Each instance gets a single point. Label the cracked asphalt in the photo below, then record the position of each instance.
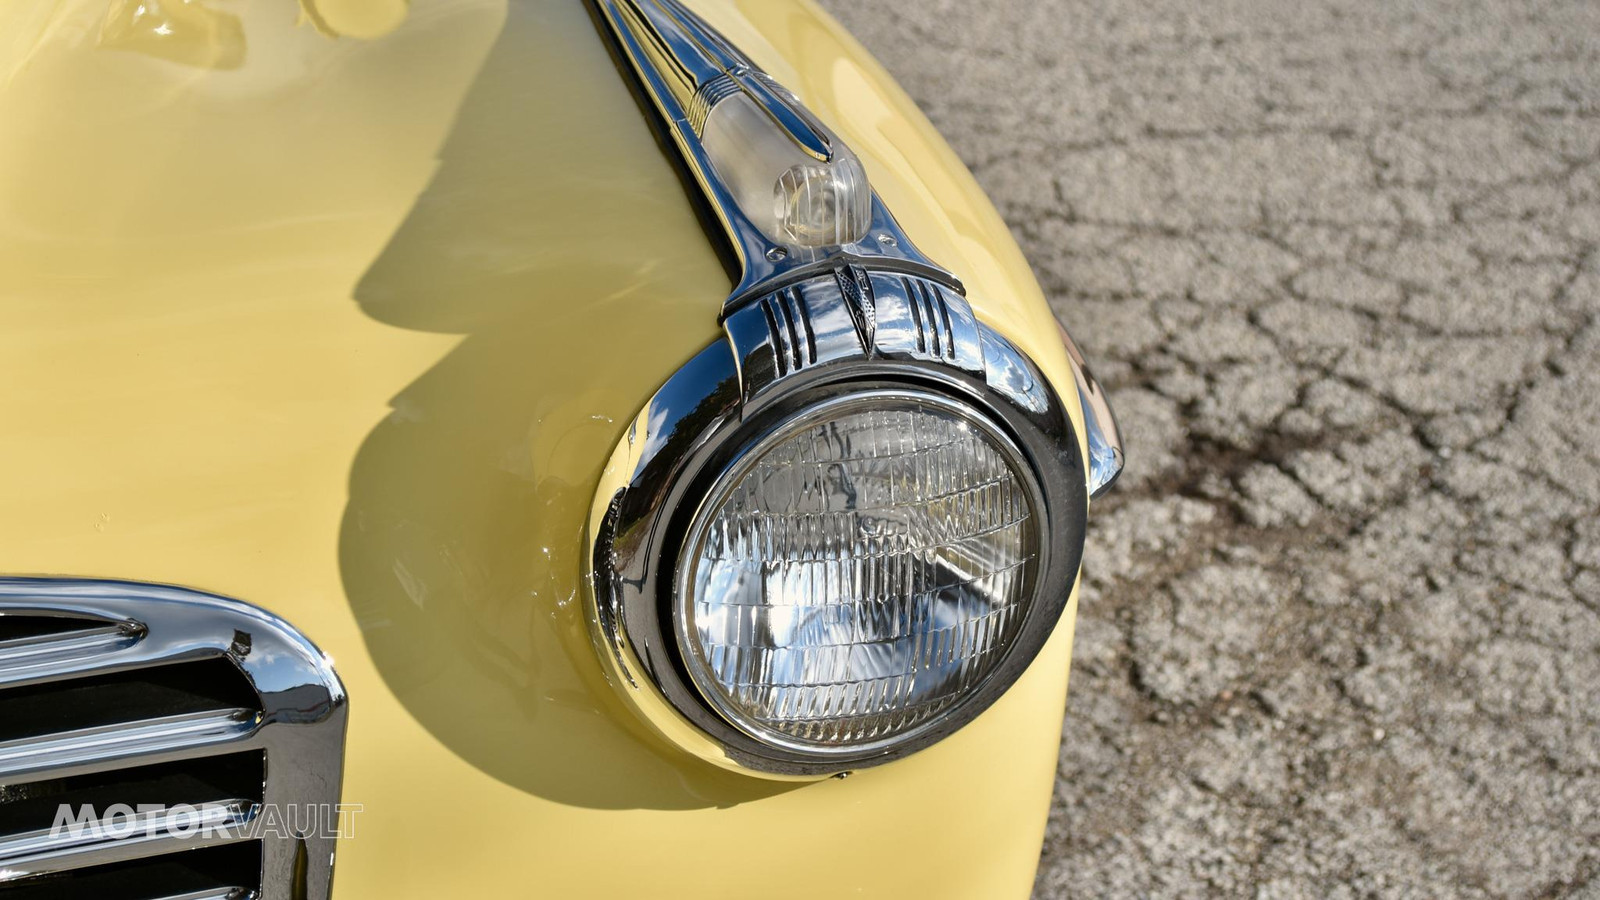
(1340, 624)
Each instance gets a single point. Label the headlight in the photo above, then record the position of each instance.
(845, 529)
(812, 570)
(858, 571)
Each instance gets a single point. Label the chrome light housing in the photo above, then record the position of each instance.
(842, 531)
(821, 546)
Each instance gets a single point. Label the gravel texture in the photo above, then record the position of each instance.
(1337, 262)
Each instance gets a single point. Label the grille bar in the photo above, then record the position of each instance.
(134, 743)
(27, 658)
(227, 893)
(93, 638)
(48, 850)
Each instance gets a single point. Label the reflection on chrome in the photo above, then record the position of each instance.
(1101, 433)
(789, 193)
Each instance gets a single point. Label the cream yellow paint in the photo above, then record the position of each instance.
(347, 328)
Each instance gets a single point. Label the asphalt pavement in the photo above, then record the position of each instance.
(1337, 263)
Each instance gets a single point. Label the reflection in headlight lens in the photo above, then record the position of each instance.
(859, 572)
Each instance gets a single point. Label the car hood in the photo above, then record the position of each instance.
(347, 328)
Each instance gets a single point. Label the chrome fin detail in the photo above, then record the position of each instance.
(1099, 423)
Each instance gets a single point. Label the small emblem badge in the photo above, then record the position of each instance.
(856, 287)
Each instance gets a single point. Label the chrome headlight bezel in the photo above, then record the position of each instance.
(725, 400)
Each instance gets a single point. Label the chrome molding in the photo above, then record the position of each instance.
(1103, 436)
(684, 67)
(109, 627)
(67, 752)
(228, 893)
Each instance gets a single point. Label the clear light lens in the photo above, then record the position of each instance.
(795, 199)
(859, 573)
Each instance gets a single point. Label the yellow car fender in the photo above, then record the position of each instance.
(339, 308)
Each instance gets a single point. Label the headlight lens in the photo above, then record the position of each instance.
(859, 571)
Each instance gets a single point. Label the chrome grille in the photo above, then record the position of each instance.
(114, 694)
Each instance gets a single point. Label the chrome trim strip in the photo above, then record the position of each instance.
(94, 638)
(169, 619)
(118, 746)
(148, 834)
(701, 65)
(300, 725)
(53, 652)
(226, 893)
(684, 66)
(1099, 423)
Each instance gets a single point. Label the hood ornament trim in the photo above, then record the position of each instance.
(685, 68)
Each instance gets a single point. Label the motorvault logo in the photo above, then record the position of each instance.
(231, 821)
